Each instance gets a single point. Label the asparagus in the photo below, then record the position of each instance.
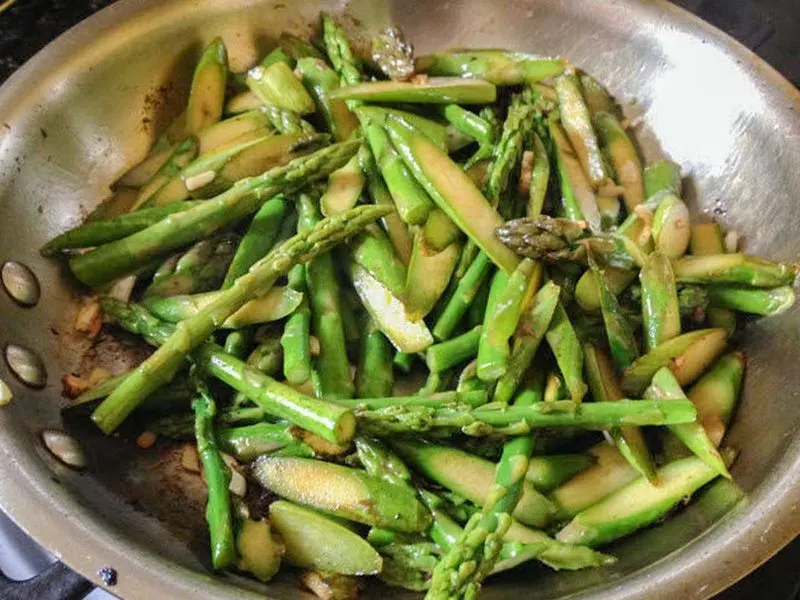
(324, 291)
(540, 178)
(707, 239)
(200, 269)
(395, 227)
(534, 323)
(508, 150)
(276, 84)
(755, 301)
(375, 377)
(578, 125)
(259, 239)
(496, 66)
(693, 435)
(596, 97)
(96, 233)
(251, 441)
(321, 80)
(338, 49)
(429, 272)
(587, 291)
(109, 261)
(520, 420)
(379, 461)
(621, 341)
(623, 157)
(452, 191)
(436, 90)
(208, 88)
(662, 319)
(297, 49)
(182, 426)
(548, 472)
(504, 310)
(167, 175)
(250, 125)
(715, 394)
(373, 251)
(238, 342)
(284, 120)
(736, 269)
(687, 356)
(462, 297)
(435, 131)
(662, 175)
(566, 347)
(605, 387)
(217, 476)
(190, 333)
(468, 123)
(444, 355)
(671, 227)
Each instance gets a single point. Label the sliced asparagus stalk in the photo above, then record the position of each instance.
(207, 95)
(436, 90)
(276, 84)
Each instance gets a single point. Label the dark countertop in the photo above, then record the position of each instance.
(768, 27)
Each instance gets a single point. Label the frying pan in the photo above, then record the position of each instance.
(89, 106)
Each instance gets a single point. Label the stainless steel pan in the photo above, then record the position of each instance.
(90, 104)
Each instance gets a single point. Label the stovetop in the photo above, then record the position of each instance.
(768, 27)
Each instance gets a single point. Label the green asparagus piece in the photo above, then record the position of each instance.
(242, 102)
(578, 125)
(587, 291)
(662, 175)
(623, 157)
(508, 151)
(472, 399)
(665, 387)
(297, 48)
(403, 361)
(755, 301)
(395, 227)
(566, 348)
(389, 313)
(182, 426)
(715, 394)
(621, 341)
(338, 49)
(671, 228)
(373, 250)
(331, 365)
(477, 310)
(605, 387)
(343, 491)
(596, 97)
(429, 272)
(251, 441)
(577, 196)
(316, 541)
(413, 203)
(259, 551)
(534, 324)
(436, 90)
(687, 356)
(259, 239)
(238, 342)
(321, 80)
(508, 298)
(112, 260)
(275, 304)
(540, 178)
(638, 504)
(276, 84)
(464, 294)
(207, 95)
(200, 269)
(662, 319)
(478, 548)
(736, 269)
(496, 66)
(167, 176)
(344, 188)
(468, 123)
(96, 233)
(250, 125)
(375, 377)
(296, 333)
(284, 120)
(707, 239)
(190, 333)
(217, 476)
(435, 131)
(455, 351)
(452, 191)
(548, 472)
(380, 461)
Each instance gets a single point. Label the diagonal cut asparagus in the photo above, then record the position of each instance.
(566, 347)
(436, 90)
(660, 309)
(621, 341)
(496, 66)
(110, 261)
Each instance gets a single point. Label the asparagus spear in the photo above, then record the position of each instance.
(321, 80)
(621, 341)
(251, 441)
(471, 399)
(444, 355)
(217, 476)
(373, 250)
(587, 291)
(578, 125)
(596, 97)
(662, 319)
(566, 347)
(496, 66)
(338, 49)
(331, 364)
(259, 239)
(686, 355)
(755, 301)
(707, 239)
(662, 175)
(508, 298)
(276, 84)
(167, 175)
(436, 90)
(638, 504)
(109, 261)
(508, 150)
(715, 394)
(452, 191)
(468, 123)
(343, 491)
(435, 131)
(623, 157)
(207, 95)
(96, 233)
(540, 178)
(534, 323)
(200, 269)
(375, 377)
(693, 435)
(429, 272)
(284, 120)
(182, 426)
(238, 342)
(671, 227)
(737, 269)
(296, 333)
(259, 551)
(395, 227)
(605, 387)
(247, 126)
(464, 294)
(190, 333)
(379, 461)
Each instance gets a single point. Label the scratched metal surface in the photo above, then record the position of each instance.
(90, 105)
